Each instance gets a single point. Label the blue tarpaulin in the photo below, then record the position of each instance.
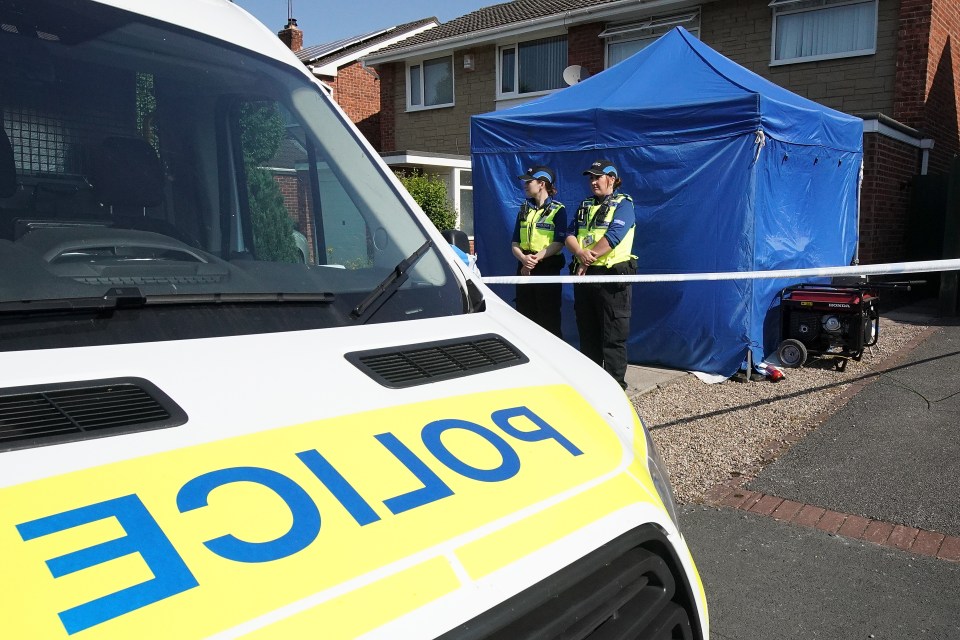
(729, 172)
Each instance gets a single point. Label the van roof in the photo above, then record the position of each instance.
(221, 19)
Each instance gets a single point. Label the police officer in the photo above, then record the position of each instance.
(537, 244)
(601, 240)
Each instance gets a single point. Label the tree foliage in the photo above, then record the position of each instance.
(272, 227)
(430, 192)
(262, 131)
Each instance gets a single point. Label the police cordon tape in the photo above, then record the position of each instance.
(894, 268)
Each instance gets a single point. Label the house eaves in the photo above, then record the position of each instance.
(558, 20)
(329, 68)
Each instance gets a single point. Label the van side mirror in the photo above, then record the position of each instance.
(457, 238)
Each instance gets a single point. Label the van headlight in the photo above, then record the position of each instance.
(661, 478)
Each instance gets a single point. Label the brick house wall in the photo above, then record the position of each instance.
(357, 90)
(585, 48)
(927, 83)
(739, 29)
(290, 190)
(742, 30)
(297, 202)
(888, 169)
(446, 129)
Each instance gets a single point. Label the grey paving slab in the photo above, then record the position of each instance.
(766, 579)
(643, 379)
(893, 452)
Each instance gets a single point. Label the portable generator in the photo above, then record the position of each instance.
(835, 322)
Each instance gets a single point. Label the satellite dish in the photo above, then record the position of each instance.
(574, 74)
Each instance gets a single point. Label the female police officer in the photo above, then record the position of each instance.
(537, 243)
(601, 240)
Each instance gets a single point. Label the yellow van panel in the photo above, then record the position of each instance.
(198, 540)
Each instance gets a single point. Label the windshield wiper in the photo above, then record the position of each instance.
(382, 292)
(117, 298)
(133, 298)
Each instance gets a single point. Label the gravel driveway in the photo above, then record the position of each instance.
(707, 433)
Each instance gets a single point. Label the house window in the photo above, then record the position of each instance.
(430, 83)
(464, 184)
(626, 39)
(534, 66)
(808, 30)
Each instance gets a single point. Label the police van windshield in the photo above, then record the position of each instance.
(146, 162)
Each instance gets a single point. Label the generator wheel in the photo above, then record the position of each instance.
(841, 364)
(792, 353)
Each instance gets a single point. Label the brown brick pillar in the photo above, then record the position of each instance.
(291, 36)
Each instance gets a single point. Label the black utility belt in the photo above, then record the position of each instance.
(625, 268)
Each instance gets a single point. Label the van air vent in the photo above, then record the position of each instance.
(410, 365)
(51, 414)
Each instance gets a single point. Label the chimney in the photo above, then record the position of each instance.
(291, 36)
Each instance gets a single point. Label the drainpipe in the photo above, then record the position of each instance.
(856, 247)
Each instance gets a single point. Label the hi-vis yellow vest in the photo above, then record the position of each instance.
(593, 220)
(536, 226)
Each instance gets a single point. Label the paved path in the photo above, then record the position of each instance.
(893, 452)
(769, 579)
(854, 532)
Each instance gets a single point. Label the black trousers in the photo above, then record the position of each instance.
(603, 320)
(541, 302)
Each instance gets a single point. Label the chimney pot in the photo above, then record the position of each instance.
(291, 35)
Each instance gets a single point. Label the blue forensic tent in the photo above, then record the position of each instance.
(728, 171)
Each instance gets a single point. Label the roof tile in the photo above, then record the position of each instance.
(499, 15)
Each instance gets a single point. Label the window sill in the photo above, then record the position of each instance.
(831, 56)
(507, 97)
(412, 109)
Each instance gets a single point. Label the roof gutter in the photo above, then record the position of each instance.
(896, 130)
(567, 18)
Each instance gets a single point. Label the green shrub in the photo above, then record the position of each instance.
(262, 132)
(272, 227)
(430, 192)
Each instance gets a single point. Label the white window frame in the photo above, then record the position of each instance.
(409, 85)
(515, 45)
(649, 28)
(782, 8)
(459, 188)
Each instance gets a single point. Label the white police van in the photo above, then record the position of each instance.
(206, 433)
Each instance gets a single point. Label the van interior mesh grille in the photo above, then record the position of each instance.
(50, 414)
(432, 361)
(628, 594)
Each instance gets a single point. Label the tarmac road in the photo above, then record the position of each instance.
(886, 465)
(769, 579)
